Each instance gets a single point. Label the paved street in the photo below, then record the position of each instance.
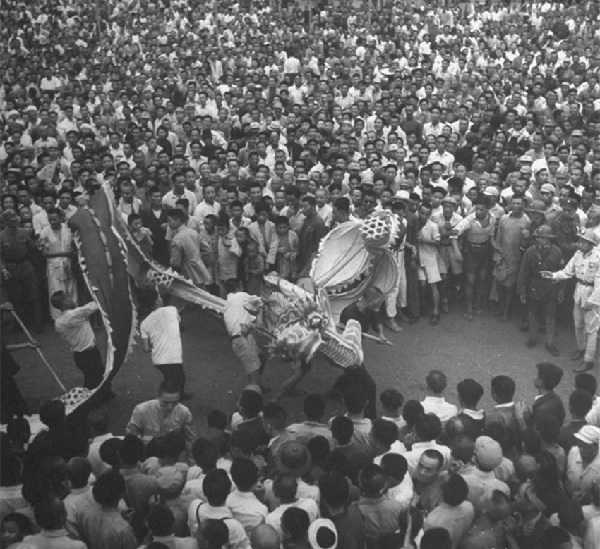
(479, 349)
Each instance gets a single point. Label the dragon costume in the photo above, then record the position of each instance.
(296, 323)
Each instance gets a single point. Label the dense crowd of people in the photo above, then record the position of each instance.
(234, 137)
(431, 474)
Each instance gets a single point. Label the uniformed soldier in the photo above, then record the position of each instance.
(539, 294)
(584, 266)
(18, 274)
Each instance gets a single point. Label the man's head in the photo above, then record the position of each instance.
(285, 487)
(216, 487)
(50, 513)
(383, 434)
(355, 399)
(109, 489)
(455, 490)
(548, 376)
(294, 526)
(580, 403)
(169, 394)
(469, 393)
(62, 301)
(244, 474)
(395, 467)
(160, 520)
(429, 467)
(264, 537)
(314, 407)
(372, 481)
(78, 472)
(436, 382)
(131, 451)
(503, 389)
(175, 218)
(334, 490)
(342, 429)
(498, 506)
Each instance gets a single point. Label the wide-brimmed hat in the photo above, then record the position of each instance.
(293, 458)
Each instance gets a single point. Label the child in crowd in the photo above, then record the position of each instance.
(141, 234)
(15, 527)
(228, 253)
(254, 268)
(287, 249)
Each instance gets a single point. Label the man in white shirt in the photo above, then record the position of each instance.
(285, 488)
(170, 199)
(161, 336)
(442, 156)
(324, 209)
(243, 503)
(73, 325)
(434, 402)
(427, 429)
(217, 487)
(208, 206)
(40, 220)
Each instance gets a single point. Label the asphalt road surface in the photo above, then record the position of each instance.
(479, 349)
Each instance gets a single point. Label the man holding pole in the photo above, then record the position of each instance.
(74, 327)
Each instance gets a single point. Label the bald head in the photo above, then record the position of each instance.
(525, 467)
(463, 448)
(265, 537)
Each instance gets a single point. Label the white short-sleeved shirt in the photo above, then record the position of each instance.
(161, 328)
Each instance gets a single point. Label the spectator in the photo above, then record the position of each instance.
(243, 503)
(434, 402)
(103, 526)
(51, 516)
(162, 415)
(455, 513)
(285, 488)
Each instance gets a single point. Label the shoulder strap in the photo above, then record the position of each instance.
(197, 513)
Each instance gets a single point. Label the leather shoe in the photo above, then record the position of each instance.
(532, 342)
(577, 355)
(392, 325)
(552, 349)
(584, 367)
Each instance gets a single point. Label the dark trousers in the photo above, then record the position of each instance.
(412, 292)
(90, 364)
(23, 291)
(173, 373)
(537, 311)
(360, 377)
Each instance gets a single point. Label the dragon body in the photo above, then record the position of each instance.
(102, 256)
(297, 324)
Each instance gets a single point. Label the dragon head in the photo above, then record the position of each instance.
(295, 319)
(353, 256)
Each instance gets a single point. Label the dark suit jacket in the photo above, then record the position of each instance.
(550, 403)
(160, 250)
